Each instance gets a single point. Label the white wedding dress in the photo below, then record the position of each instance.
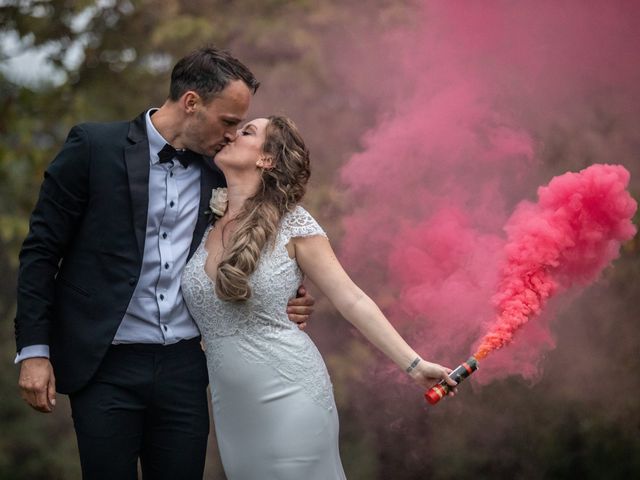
(273, 407)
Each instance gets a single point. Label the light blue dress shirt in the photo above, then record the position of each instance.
(157, 313)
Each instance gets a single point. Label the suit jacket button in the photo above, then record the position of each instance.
(132, 281)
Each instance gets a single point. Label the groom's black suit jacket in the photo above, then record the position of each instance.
(81, 260)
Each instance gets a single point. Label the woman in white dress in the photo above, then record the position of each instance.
(273, 406)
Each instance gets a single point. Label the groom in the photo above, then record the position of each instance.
(100, 315)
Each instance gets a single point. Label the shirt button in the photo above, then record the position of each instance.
(171, 174)
(161, 297)
(164, 235)
(132, 281)
(166, 266)
(171, 204)
(165, 327)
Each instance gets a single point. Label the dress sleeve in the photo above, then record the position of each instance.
(300, 223)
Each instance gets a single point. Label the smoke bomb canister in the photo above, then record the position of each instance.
(439, 390)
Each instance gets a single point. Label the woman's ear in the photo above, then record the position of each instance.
(265, 161)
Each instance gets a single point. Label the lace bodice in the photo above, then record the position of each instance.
(267, 335)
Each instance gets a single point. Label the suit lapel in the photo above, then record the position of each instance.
(210, 177)
(136, 158)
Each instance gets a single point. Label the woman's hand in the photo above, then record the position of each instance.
(427, 374)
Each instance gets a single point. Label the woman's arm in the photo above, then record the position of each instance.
(319, 263)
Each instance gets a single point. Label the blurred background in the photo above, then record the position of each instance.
(559, 86)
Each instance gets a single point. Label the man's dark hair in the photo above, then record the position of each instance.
(208, 71)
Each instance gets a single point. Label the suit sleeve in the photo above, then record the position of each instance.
(59, 210)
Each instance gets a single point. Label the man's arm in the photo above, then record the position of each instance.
(58, 211)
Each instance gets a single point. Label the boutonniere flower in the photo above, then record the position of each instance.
(218, 202)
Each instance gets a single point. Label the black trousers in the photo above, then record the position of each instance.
(147, 402)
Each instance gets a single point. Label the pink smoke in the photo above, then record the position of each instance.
(480, 103)
(567, 238)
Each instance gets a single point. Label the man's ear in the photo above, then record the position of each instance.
(190, 101)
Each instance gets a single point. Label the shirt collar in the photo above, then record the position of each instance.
(156, 141)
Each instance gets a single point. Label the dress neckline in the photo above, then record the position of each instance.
(206, 254)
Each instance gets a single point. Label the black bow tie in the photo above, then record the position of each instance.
(184, 156)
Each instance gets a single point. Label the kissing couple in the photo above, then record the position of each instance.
(137, 290)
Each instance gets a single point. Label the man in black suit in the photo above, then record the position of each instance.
(100, 314)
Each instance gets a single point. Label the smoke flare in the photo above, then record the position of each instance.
(567, 238)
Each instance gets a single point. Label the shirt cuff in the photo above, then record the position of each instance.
(32, 351)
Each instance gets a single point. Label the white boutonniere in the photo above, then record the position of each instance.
(218, 202)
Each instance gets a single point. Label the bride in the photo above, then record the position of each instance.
(273, 406)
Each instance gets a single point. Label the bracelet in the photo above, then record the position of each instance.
(413, 365)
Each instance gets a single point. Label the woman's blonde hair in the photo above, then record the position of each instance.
(282, 187)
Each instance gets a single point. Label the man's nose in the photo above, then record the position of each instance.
(231, 134)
